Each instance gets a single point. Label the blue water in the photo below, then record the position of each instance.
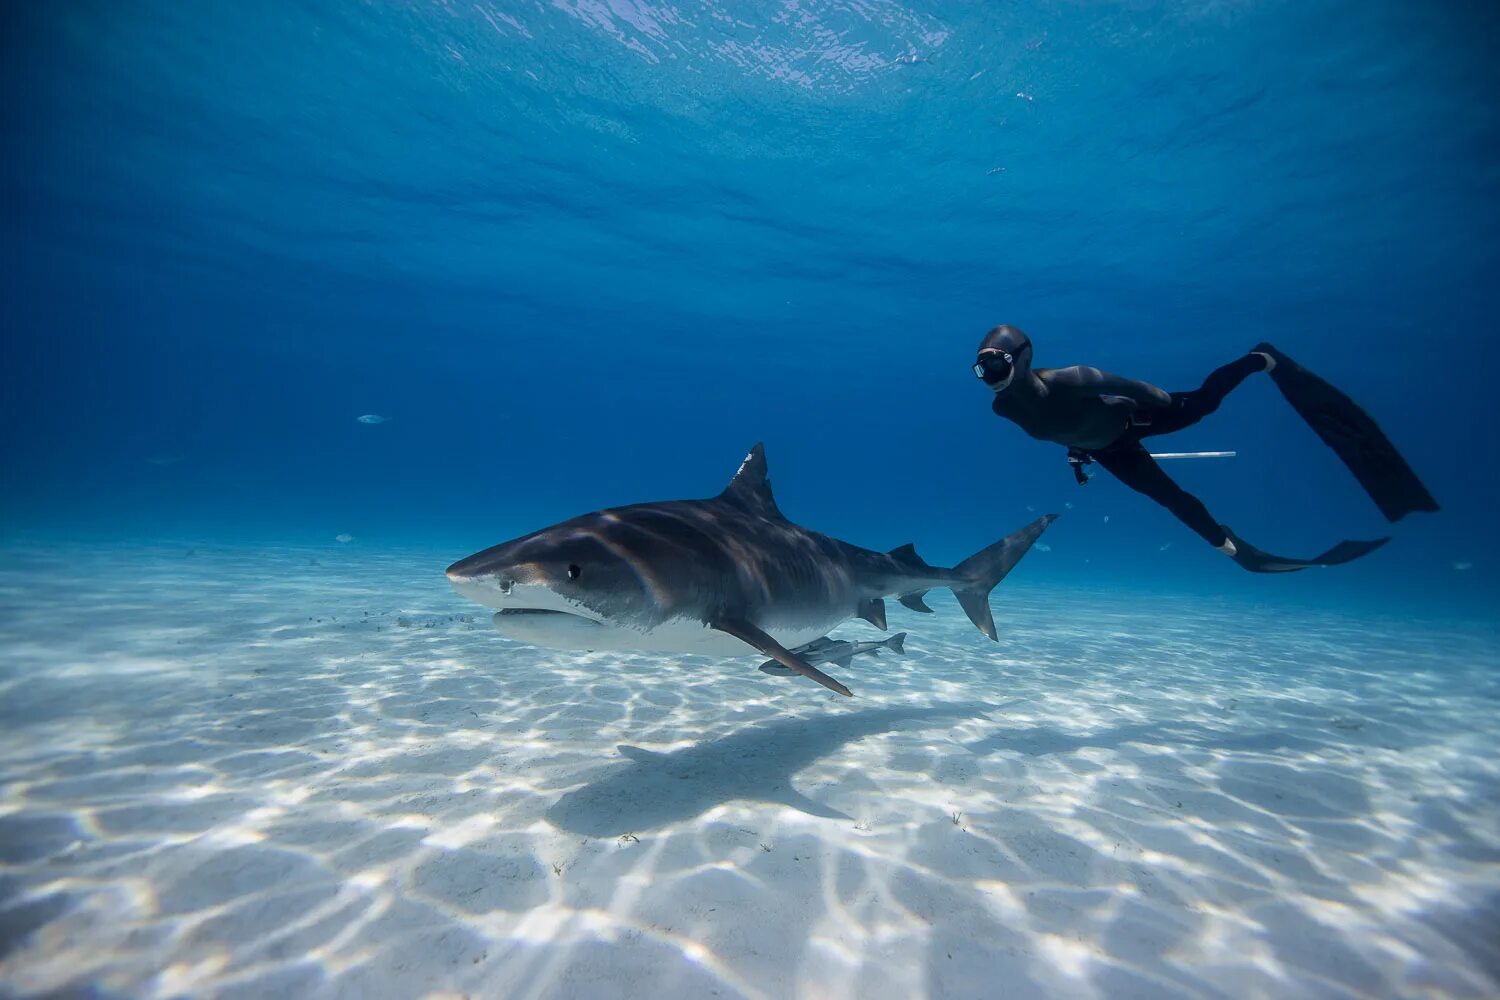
(587, 253)
(582, 253)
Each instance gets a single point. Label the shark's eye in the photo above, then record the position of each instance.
(573, 571)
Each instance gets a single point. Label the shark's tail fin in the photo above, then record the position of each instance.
(896, 644)
(988, 567)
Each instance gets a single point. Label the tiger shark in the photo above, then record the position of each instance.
(724, 576)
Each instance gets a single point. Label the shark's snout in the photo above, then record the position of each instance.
(499, 581)
(482, 579)
(466, 568)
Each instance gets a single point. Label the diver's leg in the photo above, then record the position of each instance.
(1190, 407)
(1132, 465)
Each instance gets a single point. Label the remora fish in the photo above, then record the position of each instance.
(838, 651)
(727, 576)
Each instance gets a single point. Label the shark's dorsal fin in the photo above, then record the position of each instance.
(750, 488)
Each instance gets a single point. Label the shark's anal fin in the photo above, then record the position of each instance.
(748, 633)
(872, 610)
(915, 602)
(907, 556)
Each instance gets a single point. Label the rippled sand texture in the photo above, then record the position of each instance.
(310, 773)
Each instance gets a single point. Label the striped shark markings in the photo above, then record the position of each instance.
(729, 575)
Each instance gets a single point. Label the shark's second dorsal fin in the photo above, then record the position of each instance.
(750, 488)
(908, 554)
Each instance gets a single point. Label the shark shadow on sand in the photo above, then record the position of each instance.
(754, 764)
(1043, 741)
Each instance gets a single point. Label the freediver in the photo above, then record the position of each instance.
(1103, 418)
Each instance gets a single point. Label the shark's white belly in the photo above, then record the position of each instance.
(568, 631)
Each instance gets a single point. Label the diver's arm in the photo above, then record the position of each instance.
(1081, 381)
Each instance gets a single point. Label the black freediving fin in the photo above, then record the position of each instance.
(1354, 437)
(752, 635)
(1256, 561)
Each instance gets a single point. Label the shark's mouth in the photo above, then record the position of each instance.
(515, 614)
(543, 625)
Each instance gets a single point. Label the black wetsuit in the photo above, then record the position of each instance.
(1104, 418)
(1128, 460)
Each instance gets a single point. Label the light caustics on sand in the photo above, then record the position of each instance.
(346, 787)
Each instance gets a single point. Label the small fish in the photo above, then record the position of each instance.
(837, 651)
(345, 538)
(373, 418)
(1042, 547)
(1106, 518)
(1068, 504)
(1461, 566)
(1165, 547)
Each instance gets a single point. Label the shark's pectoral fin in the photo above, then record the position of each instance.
(842, 661)
(772, 667)
(872, 610)
(639, 755)
(751, 634)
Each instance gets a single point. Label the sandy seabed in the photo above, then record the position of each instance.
(294, 772)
